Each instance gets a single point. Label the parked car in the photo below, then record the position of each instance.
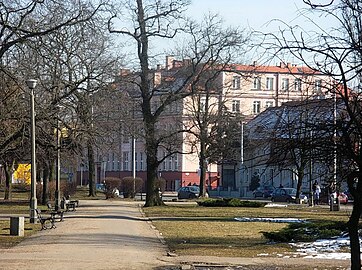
(287, 195)
(188, 192)
(342, 197)
(263, 191)
(100, 187)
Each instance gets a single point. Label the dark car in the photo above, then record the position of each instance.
(188, 192)
(287, 195)
(263, 191)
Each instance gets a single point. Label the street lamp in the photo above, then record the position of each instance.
(31, 83)
(57, 175)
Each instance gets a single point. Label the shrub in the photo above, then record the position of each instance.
(67, 188)
(127, 186)
(229, 202)
(110, 185)
(308, 231)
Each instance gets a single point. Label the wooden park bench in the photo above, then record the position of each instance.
(69, 205)
(46, 222)
(57, 214)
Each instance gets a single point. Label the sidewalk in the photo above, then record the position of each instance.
(99, 235)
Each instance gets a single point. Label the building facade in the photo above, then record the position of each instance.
(245, 90)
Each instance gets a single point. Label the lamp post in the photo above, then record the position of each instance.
(31, 83)
(57, 175)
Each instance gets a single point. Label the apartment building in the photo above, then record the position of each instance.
(246, 90)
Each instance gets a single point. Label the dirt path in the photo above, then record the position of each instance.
(99, 235)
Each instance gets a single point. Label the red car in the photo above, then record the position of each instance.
(343, 198)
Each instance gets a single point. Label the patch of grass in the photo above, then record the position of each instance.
(219, 237)
(229, 202)
(7, 240)
(195, 230)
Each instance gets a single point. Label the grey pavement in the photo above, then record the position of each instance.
(99, 235)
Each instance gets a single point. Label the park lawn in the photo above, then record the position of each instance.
(7, 240)
(212, 231)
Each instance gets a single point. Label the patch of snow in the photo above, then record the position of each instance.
(275, 205)
(324, 249)
(277, 220)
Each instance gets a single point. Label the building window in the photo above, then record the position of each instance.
(170, 163)
(257, 83)
(298, 85)
(236, 82)
(236, 106)
(175, 162)
(141, 161)
(269, 104)
(285, 84)
(256, 107)
(269, 83)
(318, 85)
(125, 161)
(164, 161)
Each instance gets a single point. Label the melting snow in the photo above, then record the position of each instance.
(277, 220)
(319, 249)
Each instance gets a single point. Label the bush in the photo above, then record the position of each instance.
(110, 185)
(67, 188)
(229, 202)
(127, 186)
(51, 191)
(308, 231)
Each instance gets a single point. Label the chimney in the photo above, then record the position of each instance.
(169, 62)
(157, 78)
(289, 65)
(282, 65)
(254, 63)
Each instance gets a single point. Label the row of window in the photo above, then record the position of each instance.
(169, 164)
(235, 106)
(270, 85)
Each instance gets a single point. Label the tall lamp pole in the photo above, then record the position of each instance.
(31, 83)
(57, 176)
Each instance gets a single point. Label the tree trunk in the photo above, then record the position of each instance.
(152, 196)
(299, 182)
(8, 173)
(353, 222)
(203, 168)
(354, 236)
(91, 181)
(45, 197)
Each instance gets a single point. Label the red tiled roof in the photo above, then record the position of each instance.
(274, 69)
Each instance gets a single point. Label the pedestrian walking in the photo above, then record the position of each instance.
(317, 191)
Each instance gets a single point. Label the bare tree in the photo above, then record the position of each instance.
(64, 41)
(337, 53)
(163, 19)
(207, 106)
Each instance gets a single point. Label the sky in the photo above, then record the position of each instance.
(256, 14)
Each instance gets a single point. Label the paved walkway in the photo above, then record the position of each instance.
(99, 235)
